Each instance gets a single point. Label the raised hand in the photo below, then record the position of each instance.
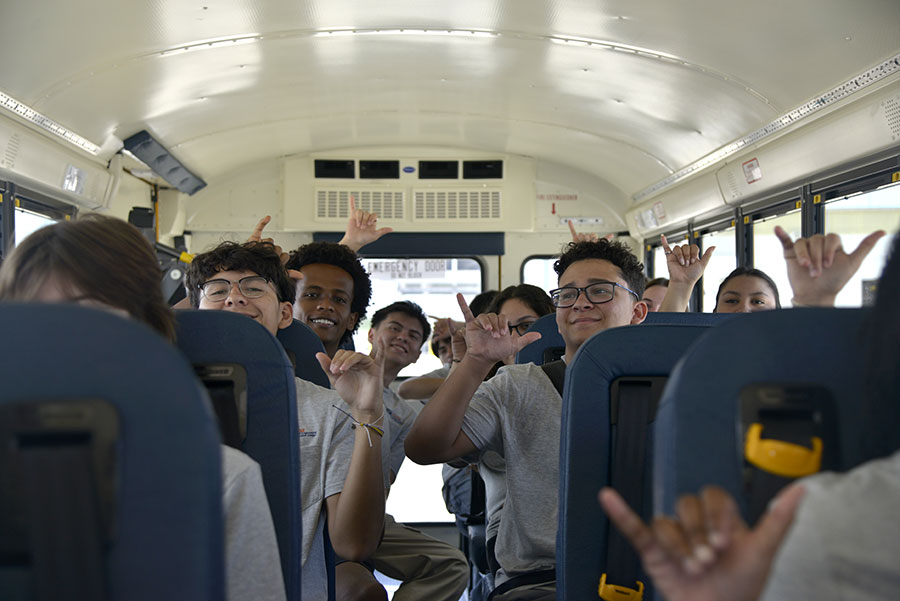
(358, 378)
(588, 237)
(818, 267)
(361, 228)
(488, 337)
(256, 236)
(685, 264)
(707, 553)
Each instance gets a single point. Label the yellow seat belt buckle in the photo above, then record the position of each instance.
(186, 257)
(613, 592)
(782, 458)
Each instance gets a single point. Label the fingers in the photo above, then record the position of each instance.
(707, 256)
(671, 537)
(258, 230)
(721, 516)
(864, 248)
(497, 325)
(832, 245)
(464, 307)
(629, 524)
(775, 523)
(325, 362)
(609, 237)
(295, 275)
(690, 512)
(352, 207)
(665, 244)
(344, 360)
(572, 229)
(786, 243)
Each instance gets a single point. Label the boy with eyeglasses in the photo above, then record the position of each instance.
(517, 413)
(341, 473)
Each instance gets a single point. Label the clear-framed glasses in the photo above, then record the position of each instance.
(252, 286)
(599, 293)
(521, 327)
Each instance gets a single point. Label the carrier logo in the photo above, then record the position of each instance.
(304, 434)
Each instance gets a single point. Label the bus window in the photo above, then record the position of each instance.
(538, 271)
(27, 223)
(853, 218)
(768, 254)
(432, 283)
(660, 269)
(720, 265)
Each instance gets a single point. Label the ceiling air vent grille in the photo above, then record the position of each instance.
(334, 203)
(892, 114)
(457, 204)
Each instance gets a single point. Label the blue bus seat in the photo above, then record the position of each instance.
(87, 392)
(637, 358)
(691, 319)
(301, 345)
(549, 348)
(698, 437)
(219, 342)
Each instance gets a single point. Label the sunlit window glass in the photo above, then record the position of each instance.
(854, 218)
(27, 223)
(723, 262)
(768, 254)
(660, 270)
(538, 271)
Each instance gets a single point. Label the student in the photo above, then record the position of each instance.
(830, 537)
(428, 568)
(106, 263)
(809, 262)
(654, 293)
(522, 305)
(517, 413)
(341, 476)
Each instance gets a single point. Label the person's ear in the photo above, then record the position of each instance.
(639, 313)
(286, 316)
(351, 321)
(371, 336)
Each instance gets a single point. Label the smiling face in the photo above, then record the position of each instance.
(265, 310)
(584, 319)
(323, 303)
(402, 337)
(745, 294)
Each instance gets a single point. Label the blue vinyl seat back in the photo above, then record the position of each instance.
(691, 319)
(696, 437)
(587, 436)
(551, 342)
(271, 439)
(167, 540)
(301, 345)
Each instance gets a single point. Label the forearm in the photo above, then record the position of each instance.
(813, 300)
(419, 388)
(356, 521)
(678, 296)
(436, 435)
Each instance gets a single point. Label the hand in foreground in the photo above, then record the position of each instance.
(358, 378)
(361, 228)
(488, 337)
(256, 236)
(707, 553)
(818, 267)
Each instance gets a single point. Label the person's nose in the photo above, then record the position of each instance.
(235, 296)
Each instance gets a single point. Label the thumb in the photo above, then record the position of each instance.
(704, 260)
(527, 339)
(325, 362)
(774, 525)
(383, 231)
(865, 247)
(786, 243)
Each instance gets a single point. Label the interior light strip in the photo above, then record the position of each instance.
(29, 114)
(846, 89)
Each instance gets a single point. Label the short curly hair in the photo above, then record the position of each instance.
(329, 253)
(258, 257)
(615, 252)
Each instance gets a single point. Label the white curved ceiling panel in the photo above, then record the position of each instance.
(627, 91)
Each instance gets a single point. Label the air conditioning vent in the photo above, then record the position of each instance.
(892, 114)
(477, 204)
(334, 204)
(12, 151)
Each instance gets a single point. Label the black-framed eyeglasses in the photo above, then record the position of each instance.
(598, 293)
(522, 327)
(252, 286)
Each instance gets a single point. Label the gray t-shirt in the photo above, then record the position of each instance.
(252, 564)
(517, 414)
(845, 539)
(398, 420)
(326, 446)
